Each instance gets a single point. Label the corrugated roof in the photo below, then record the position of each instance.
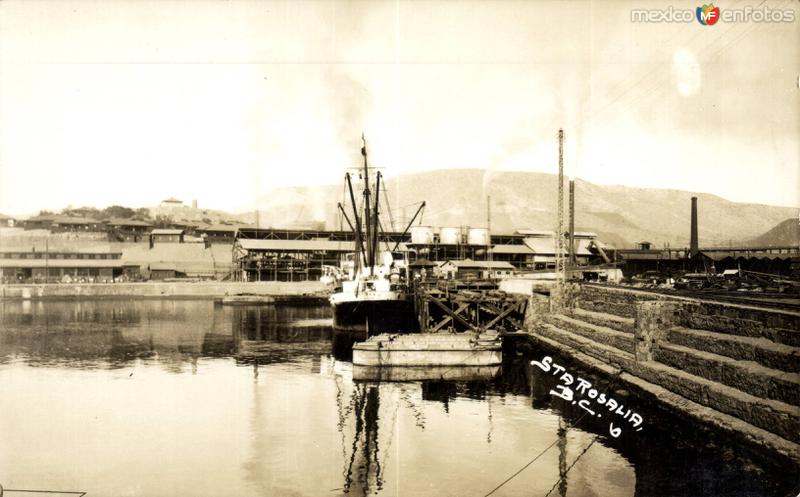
(219, 227)
(481, 264)
(641, 255)
(511, 249)
(163, 266)
(278, 245)
(127, 222)
(718, 256)
(56, 263)
(548, 246)
(61, 219)
(541, 245)
(536, 233)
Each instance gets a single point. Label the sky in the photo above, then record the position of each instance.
(130, 102)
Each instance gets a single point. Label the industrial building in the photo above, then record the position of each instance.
(166, 235)
(299, 255)
(469, 269)
(772, 260)
(20, 265)
(60, 223)
(127, 230)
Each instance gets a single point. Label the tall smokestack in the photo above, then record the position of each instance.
(694, 247)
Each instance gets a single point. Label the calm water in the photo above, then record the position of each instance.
(157, 398)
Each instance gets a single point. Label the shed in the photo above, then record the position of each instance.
(166, 235)
(469, 269)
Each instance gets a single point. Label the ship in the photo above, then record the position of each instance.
(374, 296)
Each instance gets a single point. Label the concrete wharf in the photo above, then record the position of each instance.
(730, 366)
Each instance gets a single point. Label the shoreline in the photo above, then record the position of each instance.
(289, 291)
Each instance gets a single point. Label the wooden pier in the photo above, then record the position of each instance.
(473, 307)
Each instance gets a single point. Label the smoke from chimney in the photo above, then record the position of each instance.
(694, 247)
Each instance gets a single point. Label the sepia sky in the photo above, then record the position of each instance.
(129, 102)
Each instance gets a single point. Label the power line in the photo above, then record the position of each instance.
(571, 465)
(540, 454)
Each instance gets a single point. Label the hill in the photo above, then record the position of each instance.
(455, 197)
(786, 233)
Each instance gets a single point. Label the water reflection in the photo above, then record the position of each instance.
(258, 401)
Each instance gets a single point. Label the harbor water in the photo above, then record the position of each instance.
(182, 397)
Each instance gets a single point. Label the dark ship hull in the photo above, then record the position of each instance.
(381, 316)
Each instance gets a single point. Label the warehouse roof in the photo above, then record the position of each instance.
(288, 245)
(470, 264)
(718, 256)
(56, 263)
(511, 249)
(548, 246)
(551, 234)
(115, 221)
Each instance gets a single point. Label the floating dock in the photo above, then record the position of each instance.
(425, 373)
(430, 350)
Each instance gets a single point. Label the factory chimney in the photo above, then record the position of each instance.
(693, 243)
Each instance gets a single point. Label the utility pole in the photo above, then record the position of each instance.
(560, 262)
(572, 258)
(489, 228)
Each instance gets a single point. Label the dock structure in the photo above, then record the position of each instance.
(472, 306)
(733, 366)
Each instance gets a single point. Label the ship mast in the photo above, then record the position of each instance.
(367, 206)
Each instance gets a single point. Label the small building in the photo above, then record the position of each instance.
(219, 233)
(171, 202)
(518, 255)
(7, 221)
(543, 246)
(60, 223)
(469, 269)
(127, 230)
(164, 270)
(166, 235)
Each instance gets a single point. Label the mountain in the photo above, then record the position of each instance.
(621, 215)
(785, 234)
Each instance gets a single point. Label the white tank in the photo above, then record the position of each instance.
(450, 236)
(478, 236)
(421, 235)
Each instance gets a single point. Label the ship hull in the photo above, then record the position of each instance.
(383, 316)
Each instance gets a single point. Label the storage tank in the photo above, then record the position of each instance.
(478, 236)
(421, 235)
(450, 236)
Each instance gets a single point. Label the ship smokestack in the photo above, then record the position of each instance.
(693, 243)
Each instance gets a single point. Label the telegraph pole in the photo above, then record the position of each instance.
(572, 258)
(489, 228)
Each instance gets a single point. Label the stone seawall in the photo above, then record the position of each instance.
(722, 317)
(730, 365)
(159, 290)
